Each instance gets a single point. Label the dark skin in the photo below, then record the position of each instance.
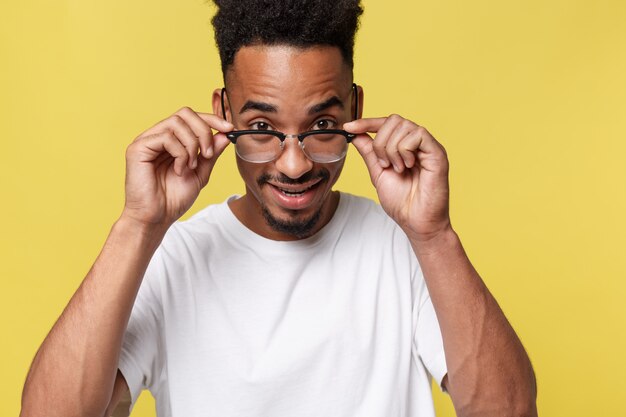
(265, 76)
(489, 373)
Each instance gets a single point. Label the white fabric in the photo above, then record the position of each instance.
(228, 323)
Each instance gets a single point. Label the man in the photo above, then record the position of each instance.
(293, 299)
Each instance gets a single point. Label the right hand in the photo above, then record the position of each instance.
(165, 172)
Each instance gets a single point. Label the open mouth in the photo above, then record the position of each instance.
(297, 192)
(295, 196)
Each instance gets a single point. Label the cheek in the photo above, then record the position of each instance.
(249, 173)
(335, 170)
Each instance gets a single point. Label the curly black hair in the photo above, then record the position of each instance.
(300, 23)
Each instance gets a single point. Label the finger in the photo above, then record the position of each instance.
(212, 120)
(407, 155)
(206, 122)
(371, 125)
(187, 137)
(430, 153)
(364, 144)
(381, 141)
(200, 128)
(183, 132)
(399, 156)
(217, 122)
(205, 165)
(152, 147)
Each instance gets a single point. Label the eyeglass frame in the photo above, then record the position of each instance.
(232, 136)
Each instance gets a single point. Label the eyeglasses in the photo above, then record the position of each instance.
(322, 146)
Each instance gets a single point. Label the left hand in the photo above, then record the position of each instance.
(409, 169)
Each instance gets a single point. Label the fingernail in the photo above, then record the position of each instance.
(383, 163)
(209, 152)
(194, 164)
(396, 168)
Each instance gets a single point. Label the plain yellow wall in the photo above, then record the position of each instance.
(528, 97)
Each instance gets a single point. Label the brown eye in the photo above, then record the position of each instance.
(260, 126)
(324, 124)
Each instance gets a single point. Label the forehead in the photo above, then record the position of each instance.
(287, 72)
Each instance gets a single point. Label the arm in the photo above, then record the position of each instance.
(119, 406)
(489, 373)
(74, 370)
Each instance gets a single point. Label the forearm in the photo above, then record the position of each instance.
(489, 373)
(74, 370)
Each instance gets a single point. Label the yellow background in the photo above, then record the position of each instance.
(528, 97)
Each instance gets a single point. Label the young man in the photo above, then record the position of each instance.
(293, 299)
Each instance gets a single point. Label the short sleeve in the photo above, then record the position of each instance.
(427, 337)
(140, 361)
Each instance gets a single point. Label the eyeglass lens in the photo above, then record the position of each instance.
(263, 147)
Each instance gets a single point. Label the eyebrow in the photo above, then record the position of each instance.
(270, 108)
(331, 102)
(258, 105)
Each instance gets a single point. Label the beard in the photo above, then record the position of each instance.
(298, 227)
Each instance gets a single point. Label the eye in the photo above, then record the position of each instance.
(324, 124)
(260, 126)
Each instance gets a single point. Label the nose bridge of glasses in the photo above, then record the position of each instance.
(291, 160)
(296, 137)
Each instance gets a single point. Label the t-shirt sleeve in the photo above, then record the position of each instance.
(140, 361)
(427, 337)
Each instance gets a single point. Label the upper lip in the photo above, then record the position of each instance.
(295, 188)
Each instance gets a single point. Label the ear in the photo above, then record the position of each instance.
(359, 93)
(217, 103)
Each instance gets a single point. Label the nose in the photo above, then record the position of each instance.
(292, 161)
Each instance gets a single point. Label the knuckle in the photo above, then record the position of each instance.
(136, 143)
(396, 119)
(182, 154)
(421, 130)
(130, 149)
(205, 131)
(177, 120)
(406, 150)
(405, 147)
(184, 110)
(378, 145)
(169, 136)
(409, 126)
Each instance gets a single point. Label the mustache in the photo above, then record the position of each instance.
(322, 174)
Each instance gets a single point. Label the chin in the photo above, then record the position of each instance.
(299, 225)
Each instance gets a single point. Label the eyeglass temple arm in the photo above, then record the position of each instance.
(356, 101)
(223, 107)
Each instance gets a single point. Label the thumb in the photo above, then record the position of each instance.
(205, 166)
(364, 144)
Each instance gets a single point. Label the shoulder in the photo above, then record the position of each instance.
(211, 218)
(185, 239)
(364, 211)
(376, 237)
(365, 220)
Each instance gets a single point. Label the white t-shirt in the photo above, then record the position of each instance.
(229, 323)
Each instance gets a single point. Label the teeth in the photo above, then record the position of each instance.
(294, 193)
